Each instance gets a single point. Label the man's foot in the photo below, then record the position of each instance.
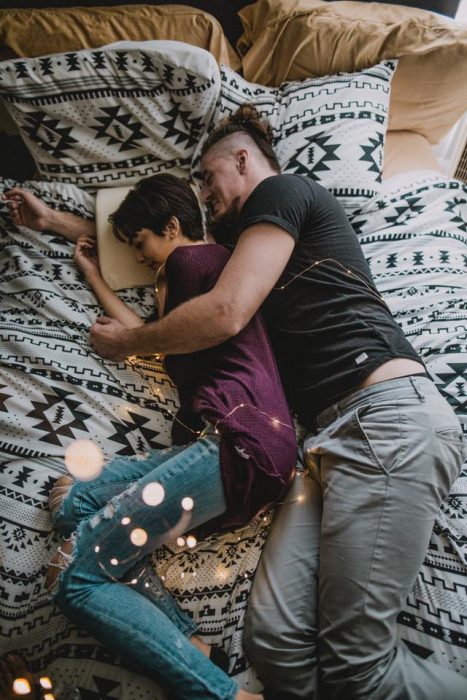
(58, 493)
(16, 681)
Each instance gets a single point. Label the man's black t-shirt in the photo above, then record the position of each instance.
(329, 326)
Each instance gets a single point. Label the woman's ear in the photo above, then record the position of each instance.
(172, 228)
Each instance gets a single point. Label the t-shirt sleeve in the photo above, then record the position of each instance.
(283, 200)
(193, 271)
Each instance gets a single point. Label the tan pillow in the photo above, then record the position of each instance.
(406, 151)
(295, 39)
(37, 32)
(116, 259)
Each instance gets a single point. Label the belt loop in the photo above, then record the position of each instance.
(415, 388)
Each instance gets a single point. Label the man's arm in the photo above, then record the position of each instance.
(255, 266)
(28, 210)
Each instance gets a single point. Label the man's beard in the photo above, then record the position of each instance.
(224, 228)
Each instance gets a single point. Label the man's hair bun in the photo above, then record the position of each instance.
(246, 120)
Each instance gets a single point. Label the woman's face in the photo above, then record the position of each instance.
(153, 250)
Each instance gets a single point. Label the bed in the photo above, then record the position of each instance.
(101, 117)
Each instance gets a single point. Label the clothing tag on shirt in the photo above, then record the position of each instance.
(361, 358)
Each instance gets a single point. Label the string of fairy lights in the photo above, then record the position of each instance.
(85, 462)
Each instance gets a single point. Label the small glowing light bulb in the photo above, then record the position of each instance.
(191, 541)
(97, 548)
(126, 520)
(181, 541)
(21, 686)
(114, 561)
(49, 696)
(45, 682)
(187, 503)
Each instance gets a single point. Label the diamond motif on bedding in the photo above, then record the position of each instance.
(455, 383)
(57, 419)
(312, 158)
(181, 127)
(118, 128)
(374, 149)
(48, 134)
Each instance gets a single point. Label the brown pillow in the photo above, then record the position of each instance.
(294, 39)
(37, 32)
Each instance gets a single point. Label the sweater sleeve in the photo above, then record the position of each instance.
(191, 271)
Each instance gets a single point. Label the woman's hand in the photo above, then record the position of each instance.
(27, 210)
(85, 256)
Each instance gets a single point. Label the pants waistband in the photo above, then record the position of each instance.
(419, 385)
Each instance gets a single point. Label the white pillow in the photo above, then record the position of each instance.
(110, 116)
(331, 128)
(117, 260)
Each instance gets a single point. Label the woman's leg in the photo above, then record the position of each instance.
(84, 498)
(107, 547)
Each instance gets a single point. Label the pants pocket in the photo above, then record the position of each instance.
(382, 432)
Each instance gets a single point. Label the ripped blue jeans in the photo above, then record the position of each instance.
(107, 589)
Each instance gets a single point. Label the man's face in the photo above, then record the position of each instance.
(222, 185)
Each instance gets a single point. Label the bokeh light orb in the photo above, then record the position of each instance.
(187, 503)
(21, 686)
(191, 541)
(153, 494)
(84, 460)
(139, 537)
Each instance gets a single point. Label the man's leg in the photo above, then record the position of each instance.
(385, 465)
(281, 620)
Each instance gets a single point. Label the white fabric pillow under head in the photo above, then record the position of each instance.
(116, 259)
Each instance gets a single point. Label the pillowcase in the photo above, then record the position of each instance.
(111, 116)
(331, 129)
(32, 32)
(294, 39)
(117, 261)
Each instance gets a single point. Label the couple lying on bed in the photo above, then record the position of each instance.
(382, 449)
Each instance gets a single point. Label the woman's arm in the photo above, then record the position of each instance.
(28, 210)
(86, 259)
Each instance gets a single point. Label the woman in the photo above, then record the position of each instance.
(234, 455)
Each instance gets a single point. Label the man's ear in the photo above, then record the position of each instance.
(242, 160)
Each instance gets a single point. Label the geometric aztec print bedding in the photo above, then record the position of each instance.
(53, 389)
(415, 238)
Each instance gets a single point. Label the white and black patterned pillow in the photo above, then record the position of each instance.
(111, 116)
(330, 128)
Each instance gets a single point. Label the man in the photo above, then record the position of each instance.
(383, 447)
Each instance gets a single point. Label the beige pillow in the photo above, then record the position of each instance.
(295, 39)
(37, 32)
(406, 151)
(116, 259)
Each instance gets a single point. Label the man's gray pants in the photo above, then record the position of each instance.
(381, 462)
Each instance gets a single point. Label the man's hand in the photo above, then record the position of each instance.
(27, 210)
(110, 339)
